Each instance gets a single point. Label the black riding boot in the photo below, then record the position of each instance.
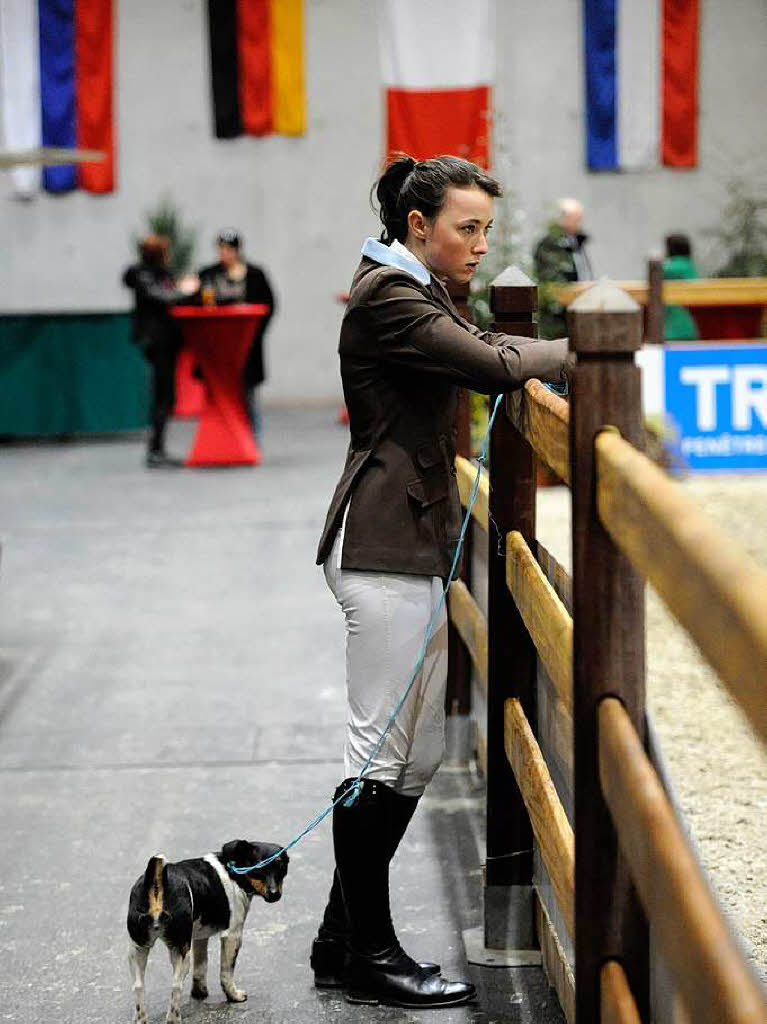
(379, 970)
(329, 950)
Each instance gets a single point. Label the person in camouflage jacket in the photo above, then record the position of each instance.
(560, 256)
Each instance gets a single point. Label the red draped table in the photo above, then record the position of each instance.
(219, 338)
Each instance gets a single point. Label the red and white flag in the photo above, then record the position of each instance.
(438, 65)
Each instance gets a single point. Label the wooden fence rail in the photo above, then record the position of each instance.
(543, 420)
(704, 577)
(613, 857)
(546, 618)
(714, 982)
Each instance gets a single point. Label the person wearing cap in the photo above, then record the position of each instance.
(235, 280)
(156, 334)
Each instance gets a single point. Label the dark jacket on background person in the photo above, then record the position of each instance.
(255, 289)
(155, 292)
(404, 351)
(561, 257)
(558, 258)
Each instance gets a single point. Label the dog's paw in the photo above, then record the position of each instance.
(199, 990)
(236, 995)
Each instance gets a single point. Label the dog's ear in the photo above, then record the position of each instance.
(238, 852)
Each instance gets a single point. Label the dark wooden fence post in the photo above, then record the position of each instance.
(509, 909)
(605, 327)
(458, 737)
(654, 317)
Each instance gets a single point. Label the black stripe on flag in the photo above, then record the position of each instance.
(222, 23)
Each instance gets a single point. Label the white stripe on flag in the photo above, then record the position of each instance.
(20, 86)
(436, 44)
(638, 73)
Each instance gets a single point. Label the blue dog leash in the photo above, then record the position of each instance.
(350, 795)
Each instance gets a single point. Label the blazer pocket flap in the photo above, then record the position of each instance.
(427, 492)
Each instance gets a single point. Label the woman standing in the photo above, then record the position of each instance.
(234, 280)
(156, 334)
(389, 540)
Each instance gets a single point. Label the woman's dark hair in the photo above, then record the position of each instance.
(408, 184)
(154, 249)
(678, 245)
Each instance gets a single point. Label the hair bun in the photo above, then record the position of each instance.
(388, 192)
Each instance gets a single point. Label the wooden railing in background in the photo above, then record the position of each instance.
(626, 886)
(722, 307)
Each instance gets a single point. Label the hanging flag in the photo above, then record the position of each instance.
(257, 67)
(20, 86)
(57, 87)
(641, 62)
(681, 45)
(437, 62)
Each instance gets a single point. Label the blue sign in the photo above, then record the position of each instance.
(716, 400)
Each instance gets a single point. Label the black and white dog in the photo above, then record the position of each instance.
(184, 904)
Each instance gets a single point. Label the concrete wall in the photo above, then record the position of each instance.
(302, 204)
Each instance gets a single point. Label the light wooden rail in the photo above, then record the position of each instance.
(467, 617)
(544, 615)
(542, 418)
(547, 816)
(707, 967)
(466, 473)
(709, 583)
(718, 291)
(618, 1006)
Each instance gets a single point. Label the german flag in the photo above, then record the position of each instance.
(257, 58)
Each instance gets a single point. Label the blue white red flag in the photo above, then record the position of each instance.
(56, 71)
(641, 62)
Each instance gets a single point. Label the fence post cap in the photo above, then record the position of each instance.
(513, 292)
(512, 277)
(604, 297)
(604, 320)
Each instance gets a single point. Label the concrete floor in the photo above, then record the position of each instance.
(171, 677)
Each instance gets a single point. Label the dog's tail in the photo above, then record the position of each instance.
(154, 889)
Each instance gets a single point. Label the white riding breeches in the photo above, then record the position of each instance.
(386, 619)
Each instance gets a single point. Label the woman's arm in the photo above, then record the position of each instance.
(410, 329)
(147, 286)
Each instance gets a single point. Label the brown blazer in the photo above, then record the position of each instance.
(404, 351)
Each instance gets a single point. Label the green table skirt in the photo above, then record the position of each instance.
(70, 373)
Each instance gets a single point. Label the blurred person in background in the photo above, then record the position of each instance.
(678, 266)
(560, 257)
(156, 334)
(232, 280)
